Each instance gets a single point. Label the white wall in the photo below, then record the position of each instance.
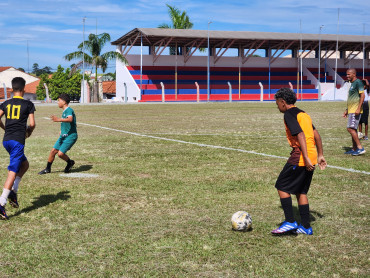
(6, 77)
(124, 76)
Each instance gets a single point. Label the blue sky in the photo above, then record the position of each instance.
(53, 28)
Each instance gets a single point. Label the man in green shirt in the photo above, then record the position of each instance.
(68, 135)
(355, 99)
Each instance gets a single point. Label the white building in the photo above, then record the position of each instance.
(8, 73)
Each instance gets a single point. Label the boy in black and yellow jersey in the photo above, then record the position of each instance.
(16, 111)
(296, 176)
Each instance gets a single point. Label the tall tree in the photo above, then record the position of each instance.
(179, 20)
(94, 56)
(62, 81)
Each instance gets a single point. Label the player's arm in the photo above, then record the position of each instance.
(362, 98)
(32, 124)
(320, 151)
(303, 146)
(69, 119)
(1, 121)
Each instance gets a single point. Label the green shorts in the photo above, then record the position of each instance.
(65, 143)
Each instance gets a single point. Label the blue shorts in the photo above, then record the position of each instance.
(16, 152)
(65, 143)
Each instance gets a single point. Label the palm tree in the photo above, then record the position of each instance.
(94, 46)
(180, 20)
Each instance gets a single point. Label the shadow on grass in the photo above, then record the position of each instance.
(43, 201)
(82, 168)
(346, 149)
(313, 215)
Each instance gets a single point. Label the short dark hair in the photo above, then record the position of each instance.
(18, 84)
(353, 70)
(286, 94)
(65, 97)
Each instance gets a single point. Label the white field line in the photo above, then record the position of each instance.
(213, 146)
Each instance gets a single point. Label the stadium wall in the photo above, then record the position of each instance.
(124, 75)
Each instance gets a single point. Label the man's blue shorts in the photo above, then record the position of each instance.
(65, 143)
(16, 152)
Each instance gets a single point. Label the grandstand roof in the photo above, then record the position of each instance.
(236, 39)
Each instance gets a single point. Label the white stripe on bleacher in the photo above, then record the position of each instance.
(214, 146)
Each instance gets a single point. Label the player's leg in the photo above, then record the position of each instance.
(68, 142)
(66, 158)
(366, 122)
(51, 158)
(352, 125)
(303, 205)
(13, 198)
(289, 224)
(355, 141)
(360, 127)
(304, 211)
(16, 153)
(284, 185)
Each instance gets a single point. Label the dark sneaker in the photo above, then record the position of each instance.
(3, 213)
(69, 166)
(13, 201)
(285, 228)
(45, 171)
(359, 152)
(303, 230)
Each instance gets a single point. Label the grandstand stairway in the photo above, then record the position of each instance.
(219, 76)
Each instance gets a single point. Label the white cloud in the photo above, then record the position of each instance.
(102, 9)
(53, 30)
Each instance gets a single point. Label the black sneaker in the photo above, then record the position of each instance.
(13, 201)
(3, 213)
(69, 166)
(45, 171)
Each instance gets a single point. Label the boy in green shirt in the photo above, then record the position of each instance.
(68, 135)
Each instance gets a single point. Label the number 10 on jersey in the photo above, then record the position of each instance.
(15, 111)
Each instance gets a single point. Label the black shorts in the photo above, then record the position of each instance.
(294, 179)
(365, 114)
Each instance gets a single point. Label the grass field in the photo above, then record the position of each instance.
(162, 208)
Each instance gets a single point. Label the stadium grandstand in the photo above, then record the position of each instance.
(177, 64)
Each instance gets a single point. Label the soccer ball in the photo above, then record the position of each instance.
(241, 221)
(360, 135)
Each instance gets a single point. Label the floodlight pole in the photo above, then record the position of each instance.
(209, 53)
(301, 58)
(363, 52)
(336, 59)
(318, 75)
(83, 60)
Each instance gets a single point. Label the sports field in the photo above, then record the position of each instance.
(162, 208)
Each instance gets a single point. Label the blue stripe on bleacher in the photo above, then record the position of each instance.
(220, 82)
(218, 91)
(216, 73)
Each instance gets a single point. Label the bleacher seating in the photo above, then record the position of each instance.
(219, 76)
(315, 72)
(342, 72)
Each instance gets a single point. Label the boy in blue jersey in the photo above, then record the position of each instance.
(68, 135)
(16, 111)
